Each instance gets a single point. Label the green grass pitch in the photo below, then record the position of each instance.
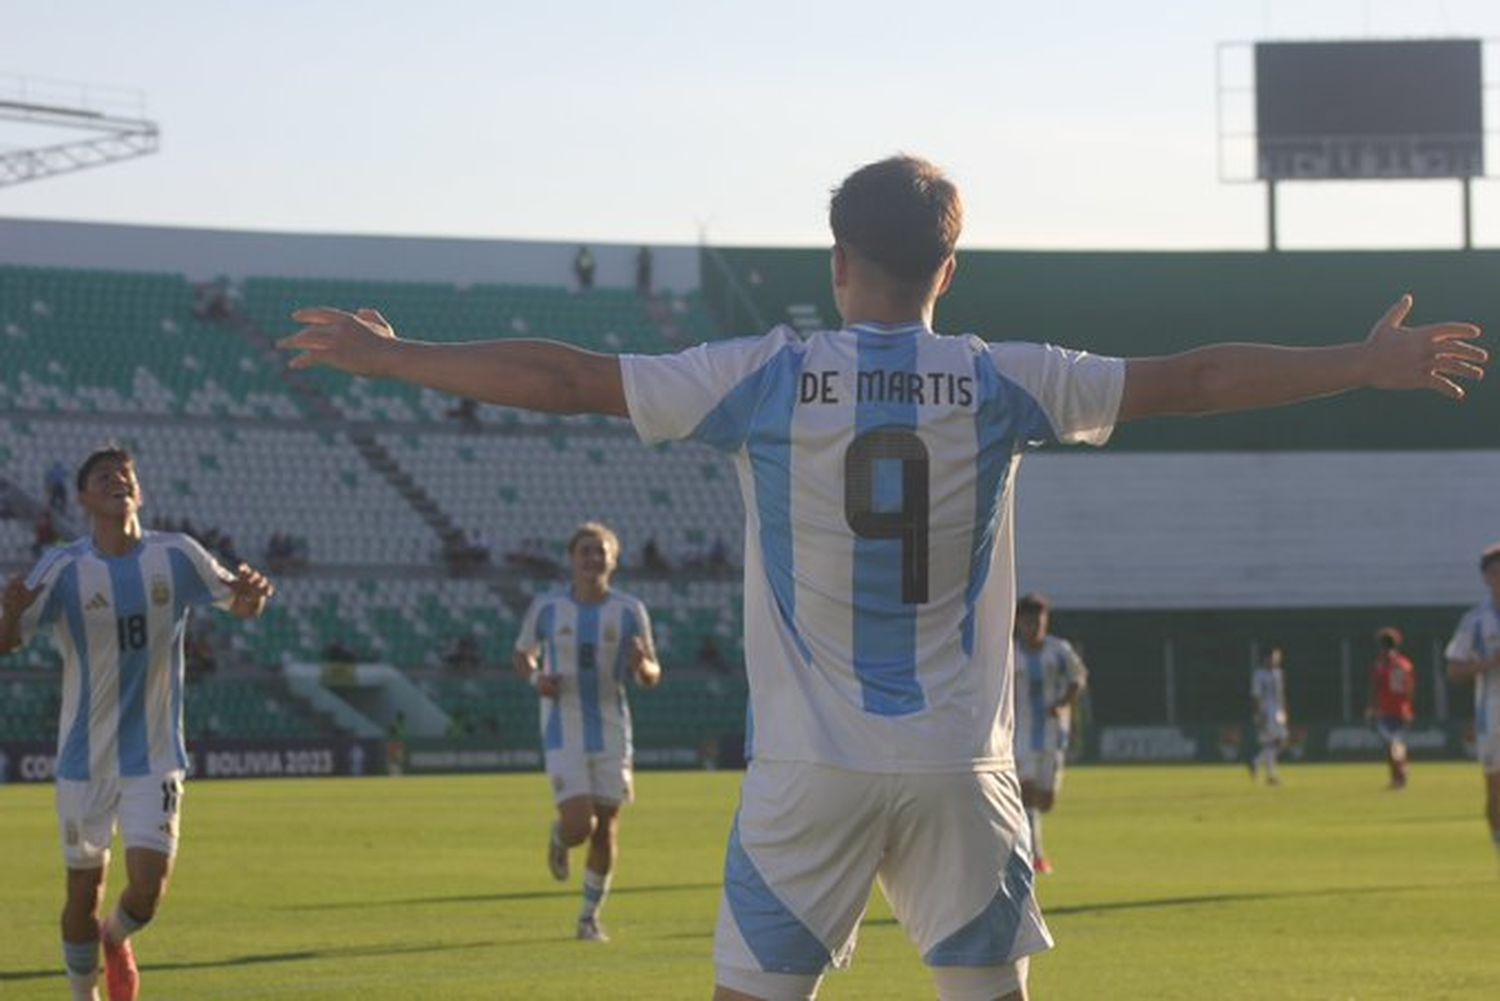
(1172, 883)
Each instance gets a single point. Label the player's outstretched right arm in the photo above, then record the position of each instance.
(534, 375)
(1227, 377)
(16, 600)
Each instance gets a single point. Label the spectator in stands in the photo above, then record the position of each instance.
(464, 654)
(466, 412)
(652, 560)
(56, 481)
(44, 533)
(338, 651)
(643, 272)
(583, 268)
(710, 656)
(718, 554)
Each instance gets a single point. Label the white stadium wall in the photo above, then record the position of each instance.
(203, 254)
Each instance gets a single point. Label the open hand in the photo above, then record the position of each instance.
(358, 343)
(1431, 357)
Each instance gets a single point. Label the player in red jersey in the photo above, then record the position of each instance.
(1393, 682)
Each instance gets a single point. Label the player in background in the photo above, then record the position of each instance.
(1268, 702)
(1474, 654)
(1050, 677)
(117, 604)
(877, 464)
(577, 646)
(1393, 683)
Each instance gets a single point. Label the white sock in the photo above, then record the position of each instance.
(120, 925)
(1035, 817)
(82, 962)
(1271, 762)
(595, 889)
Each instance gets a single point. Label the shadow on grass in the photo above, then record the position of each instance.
(333, 952)
(497, 898)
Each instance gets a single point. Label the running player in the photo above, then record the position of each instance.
(577, 646)
(117, 603)
(1268, 701)
(1393, 683)
(877, 463)
(1049, 678)
(1474, 654)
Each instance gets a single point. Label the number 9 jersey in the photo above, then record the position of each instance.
(877, 466)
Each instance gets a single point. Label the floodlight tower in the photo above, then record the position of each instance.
(107, 125)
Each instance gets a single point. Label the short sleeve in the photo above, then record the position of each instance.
(527, 640)
(1073, 667)
(198, 578)
(1467, 639)
(47, 606)
(643, 626)
(1077, 393)
(708, 393)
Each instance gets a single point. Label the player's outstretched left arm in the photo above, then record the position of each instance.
(1226, 377)
(534, 375)
(252, 590)
(643, 663)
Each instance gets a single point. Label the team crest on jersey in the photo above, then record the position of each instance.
(161, 591)
(611, 634)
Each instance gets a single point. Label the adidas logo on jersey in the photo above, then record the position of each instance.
(97, 602)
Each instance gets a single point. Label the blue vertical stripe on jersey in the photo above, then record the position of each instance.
(630, 628)
(188, 587)
(1006, 415)
(885, 628)
(770, 450)
(552, 730)
(989, 938)
(73, 760)
(589, 680)
(1036, 693)
(129, 586)
(780, 942)
(179, 749)
(749, 730)
(1481, 707)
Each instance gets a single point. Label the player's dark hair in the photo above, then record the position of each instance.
(1390, 638)
(900, 214)
(116, 453)
(1490, 555)
(1034, 603)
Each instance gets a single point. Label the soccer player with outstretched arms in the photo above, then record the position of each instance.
(877, 463)
(116, 603)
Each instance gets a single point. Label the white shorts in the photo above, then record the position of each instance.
(1488, 751)
(1044, 769)
(1273, 732)
(147, 807)
(605, 778)
(952, 853)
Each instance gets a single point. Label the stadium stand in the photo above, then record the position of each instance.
(125, 343)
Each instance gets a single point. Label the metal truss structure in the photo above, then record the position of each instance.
(109, 138)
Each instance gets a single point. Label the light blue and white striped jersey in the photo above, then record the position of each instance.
(1268, 689)
(119, 623)
(588, 646)
(877, 466)
(1043, 677)
(1478, 635)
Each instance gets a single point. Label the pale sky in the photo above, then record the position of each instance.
(1069, 124)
